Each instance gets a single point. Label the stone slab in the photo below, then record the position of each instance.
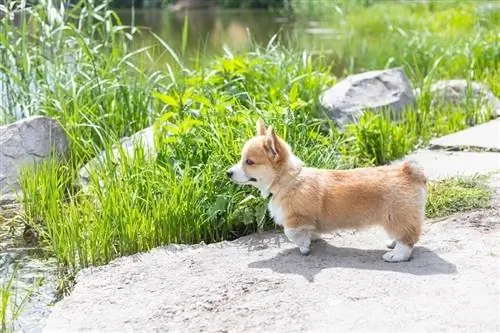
(485, 136)
(447, 164)
(262, 283)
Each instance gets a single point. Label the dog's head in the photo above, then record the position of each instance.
(263, 158)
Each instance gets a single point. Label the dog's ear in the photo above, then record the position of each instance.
(272, 143)
(261, 127)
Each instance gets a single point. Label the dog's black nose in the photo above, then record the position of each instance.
(229, 174)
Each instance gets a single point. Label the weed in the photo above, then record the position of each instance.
(454, 195)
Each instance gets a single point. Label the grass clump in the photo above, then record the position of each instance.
(455, 195)
(432, 40)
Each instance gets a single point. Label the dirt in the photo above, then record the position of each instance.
(262, 283)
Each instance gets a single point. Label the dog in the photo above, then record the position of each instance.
(309, 201)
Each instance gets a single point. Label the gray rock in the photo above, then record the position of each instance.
(346, 101)
(24, 144)
(458, 92)
(143, 139)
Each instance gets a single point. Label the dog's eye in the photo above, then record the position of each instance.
(249, 162)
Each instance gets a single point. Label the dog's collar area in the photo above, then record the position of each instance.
(270, 194)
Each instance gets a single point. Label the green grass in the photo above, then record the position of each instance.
(455, 195)
(100, 89)
(13, 300)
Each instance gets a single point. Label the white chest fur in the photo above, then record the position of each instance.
(276, 213)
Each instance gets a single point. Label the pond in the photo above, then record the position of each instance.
(31, 269)
(204, 33)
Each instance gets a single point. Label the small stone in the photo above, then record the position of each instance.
(460, 91)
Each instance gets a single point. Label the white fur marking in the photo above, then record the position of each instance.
(401, 252)
(276, 213)
(239, 175)
(390, 243)
(299, 237)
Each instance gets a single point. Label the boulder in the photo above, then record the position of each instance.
(24, 144)
(143, 139)
(377, 90)
(459, 91)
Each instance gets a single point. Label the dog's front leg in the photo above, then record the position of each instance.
(300, 237)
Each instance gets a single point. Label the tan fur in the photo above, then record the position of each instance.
(325, 200)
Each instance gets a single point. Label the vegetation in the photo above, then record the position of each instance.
(12, 301)
(457, 195)
(100, 89)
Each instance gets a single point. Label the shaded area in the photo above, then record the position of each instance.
(326, 256)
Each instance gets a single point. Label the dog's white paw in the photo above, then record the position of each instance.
(401, 252)
(304, 250)
(390, 243)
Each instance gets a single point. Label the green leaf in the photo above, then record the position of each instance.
(167, 99)
(294, 92)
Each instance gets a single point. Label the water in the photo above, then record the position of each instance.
(210, 30)
(32, 268)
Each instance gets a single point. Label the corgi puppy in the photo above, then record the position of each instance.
(309, 201)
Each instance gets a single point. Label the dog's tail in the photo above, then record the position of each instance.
(414, 171)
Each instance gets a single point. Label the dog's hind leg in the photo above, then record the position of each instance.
(401, 252)
(404, 235)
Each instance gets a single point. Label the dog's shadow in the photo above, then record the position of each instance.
(323, 256)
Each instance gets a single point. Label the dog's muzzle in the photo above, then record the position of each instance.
(230, 174)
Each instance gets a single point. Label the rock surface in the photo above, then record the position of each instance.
(24, 144)
(458, 92)
(440, 164)
(482, 137)
(346, 101)
(143, 138)
(262, 283)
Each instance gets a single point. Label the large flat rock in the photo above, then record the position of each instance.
(262, 283)
(485, 136)
(440, 164)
